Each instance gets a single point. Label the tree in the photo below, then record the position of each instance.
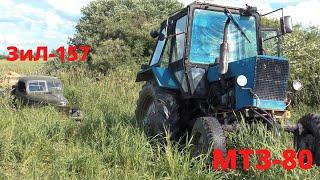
(117, 30)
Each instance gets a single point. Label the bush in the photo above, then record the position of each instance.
(302, 49)
(117, 31)
(3, 56)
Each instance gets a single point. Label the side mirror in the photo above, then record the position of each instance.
(162, 37)
(154, 34)
(286, 25)
(223, 59)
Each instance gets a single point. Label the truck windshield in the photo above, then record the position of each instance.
(54, 86)
(37, 86)
(44, 86)
(207, 35)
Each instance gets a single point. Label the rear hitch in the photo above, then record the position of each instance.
(292, 128)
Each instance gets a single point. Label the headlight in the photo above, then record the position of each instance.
(63, 103)
(297, 85)
(242, 80)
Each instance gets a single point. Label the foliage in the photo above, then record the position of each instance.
(2, 56)
(117, 31)
(270, 22)
(302, 49)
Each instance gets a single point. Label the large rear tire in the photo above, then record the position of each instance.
(309, 137)
(207, 135)
(157, 112)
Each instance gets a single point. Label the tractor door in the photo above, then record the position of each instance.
(168, 57)
(178, 43)
(158, 67)
(157, 54)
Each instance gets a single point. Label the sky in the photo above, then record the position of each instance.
(32, 23)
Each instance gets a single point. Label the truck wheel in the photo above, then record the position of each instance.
(157, 111)
(309, 137)
(13, 99)
(13, 103)
(207, 134)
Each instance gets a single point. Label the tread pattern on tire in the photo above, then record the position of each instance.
(166, 116)
(213, 130)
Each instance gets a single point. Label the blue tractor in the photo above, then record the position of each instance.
(213, 66)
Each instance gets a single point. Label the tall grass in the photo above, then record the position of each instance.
(43, 143)
(23, 67)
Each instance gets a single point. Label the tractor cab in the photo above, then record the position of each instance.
(211, 50)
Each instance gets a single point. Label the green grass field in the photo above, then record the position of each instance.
(41, 143)
(23, 67)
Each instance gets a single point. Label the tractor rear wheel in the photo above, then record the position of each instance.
(207, 135)
(309, 137)
(157, 111)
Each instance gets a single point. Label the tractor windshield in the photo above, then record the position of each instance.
(207, 36)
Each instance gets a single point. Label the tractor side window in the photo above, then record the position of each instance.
(271, 42)
(159, 49)
(180, 39)
(166, 54)
(178, 51)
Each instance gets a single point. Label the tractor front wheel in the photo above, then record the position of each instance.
(207, 135)
(308, 137)
(157, 112)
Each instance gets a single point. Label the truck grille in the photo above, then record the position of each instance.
(271, 77)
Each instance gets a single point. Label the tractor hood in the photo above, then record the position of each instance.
(267, 79)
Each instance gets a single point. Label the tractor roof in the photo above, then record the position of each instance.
(195, 3)
(38, 77)
(206, 5)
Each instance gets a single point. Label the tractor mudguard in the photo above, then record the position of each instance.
(163, 77)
